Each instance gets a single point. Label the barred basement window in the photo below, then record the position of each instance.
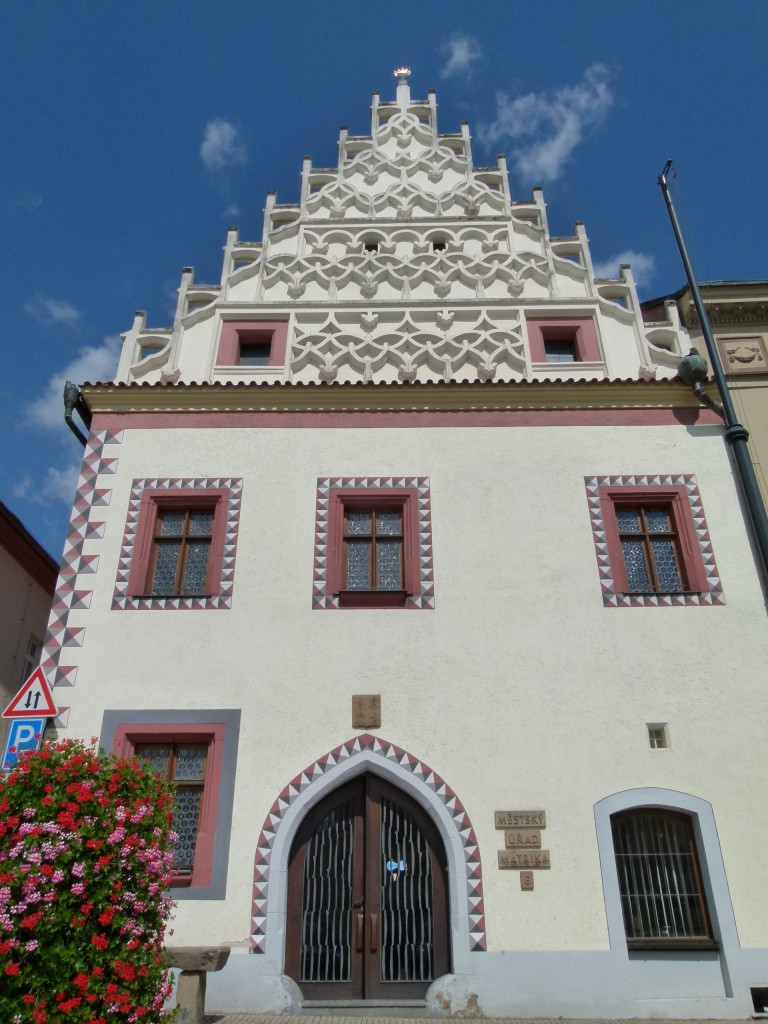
(373, 549)
(662, 898)
(180, 548)
(185, 766)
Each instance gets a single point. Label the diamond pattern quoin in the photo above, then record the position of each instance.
(424, 774)
(120, 600)
(321, 598)
(712, 596)
(74, 562)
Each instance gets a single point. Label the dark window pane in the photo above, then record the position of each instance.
(255, 353)
(666, 566)
(195, 568)
(388, 564)
(638, 580)
(359, 565)
(164, 579)
(560, 351)
(358, 523)
(172, 524)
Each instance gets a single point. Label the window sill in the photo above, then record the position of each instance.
(373, 598)
(672, 945)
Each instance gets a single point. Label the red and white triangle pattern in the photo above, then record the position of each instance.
(388, 752)
(121, 601)
(75, 562)
(713, 594)
(321, 598)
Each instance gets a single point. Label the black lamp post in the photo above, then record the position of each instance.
(691, 372)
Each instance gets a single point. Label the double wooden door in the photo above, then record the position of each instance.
(367, 897)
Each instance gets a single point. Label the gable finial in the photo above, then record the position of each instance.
(403, 91)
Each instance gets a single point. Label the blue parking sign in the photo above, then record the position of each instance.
(23, 734)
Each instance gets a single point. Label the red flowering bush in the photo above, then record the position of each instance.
(85, 859)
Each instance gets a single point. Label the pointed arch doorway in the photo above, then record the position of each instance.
(367, 914)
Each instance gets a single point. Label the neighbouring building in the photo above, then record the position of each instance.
(28, 575)
(539, 796)
(738, 315)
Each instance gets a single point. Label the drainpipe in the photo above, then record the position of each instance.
(73, 401)
(736, 435)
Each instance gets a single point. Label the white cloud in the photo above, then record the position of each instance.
(643, 266)
(545, 129)
(52, 311)
(58, 485)
(29, 203)
(221, 146)
(462, 52)
(233, 210)
(92, 363)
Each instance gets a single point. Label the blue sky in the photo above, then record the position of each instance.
(134, 134)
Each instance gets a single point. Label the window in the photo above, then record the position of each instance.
(438, 245)
(196, 750)
(373, 544)
(657, 736)
(563, 340)
(373, 548)
(252, 343)
(651, 540)
(31, 659)
(183, 764)
(179, 544)
(650, 549)
(253, 351)
(371, 246)
(560, 351)
(180, 551)
(660, 886)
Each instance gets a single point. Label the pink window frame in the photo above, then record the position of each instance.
(580, 330)
(365, 497)
(676, 499)
(152, 501)
(272, 332)
(128, 737)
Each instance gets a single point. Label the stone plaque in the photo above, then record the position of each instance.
(526, 838)
(526, 881)
(520, 819)
(366, 711)
(743, 355)
(525, 859)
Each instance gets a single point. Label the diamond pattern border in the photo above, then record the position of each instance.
(394, 754)
(712, 596)
(67, 598)
(121, 601)
(321, 598)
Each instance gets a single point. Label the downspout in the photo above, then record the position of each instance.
(73, 400)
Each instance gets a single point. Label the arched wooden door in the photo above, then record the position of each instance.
(367, 897)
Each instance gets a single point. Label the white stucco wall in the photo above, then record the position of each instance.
(520, 689)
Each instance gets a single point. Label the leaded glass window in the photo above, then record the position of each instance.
(659, 877)
(183, 764)
(181, 545)
(373, 548)
(649, 544)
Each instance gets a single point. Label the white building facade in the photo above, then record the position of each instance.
(535, 797)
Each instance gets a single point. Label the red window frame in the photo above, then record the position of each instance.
(234, 332)
(402, 498)
(128, 737)
(673, 498)
(580, 330)
(153, 501)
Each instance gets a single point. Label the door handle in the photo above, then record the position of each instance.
(374, 937)
(359, 932)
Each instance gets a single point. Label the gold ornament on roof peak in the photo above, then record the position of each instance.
(401, 72)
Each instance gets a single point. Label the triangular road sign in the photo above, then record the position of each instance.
(33, 700)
